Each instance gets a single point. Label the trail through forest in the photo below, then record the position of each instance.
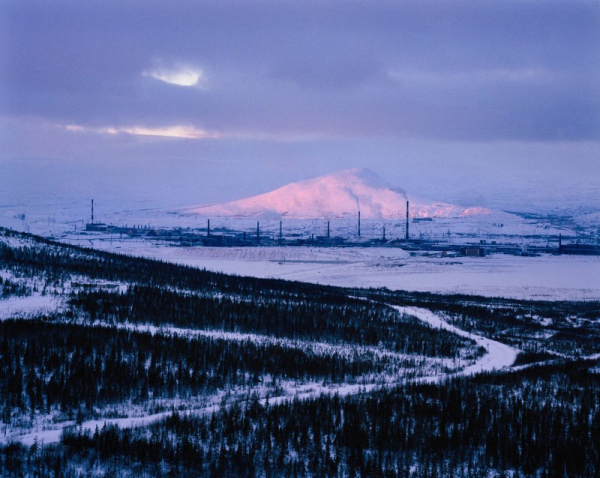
(498, 356)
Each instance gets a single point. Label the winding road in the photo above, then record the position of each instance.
(499, 356)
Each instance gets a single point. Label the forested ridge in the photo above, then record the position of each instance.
(359, 322)
(69, 367)
(540, 422)
(218, 336)
(58, 261)
(536, 327)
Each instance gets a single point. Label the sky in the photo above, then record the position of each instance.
(493, 103)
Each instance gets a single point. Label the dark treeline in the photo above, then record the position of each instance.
(13, 288)
(513, 322)
(46, 366)
(59, 261)
(519, 329)
(473, 304)
(357, 322)
(543, 421)
(466, 427)
(278, 299)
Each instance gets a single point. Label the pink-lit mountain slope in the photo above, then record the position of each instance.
(337, 195)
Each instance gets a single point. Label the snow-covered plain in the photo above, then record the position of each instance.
(547, 277)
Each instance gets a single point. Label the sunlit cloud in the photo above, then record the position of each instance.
(75, 127)
(190, 132)
(185, 132)
(181, 76)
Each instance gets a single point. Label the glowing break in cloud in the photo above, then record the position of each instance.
(187, 132)
(181, 76)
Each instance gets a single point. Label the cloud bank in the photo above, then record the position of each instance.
(465, 70)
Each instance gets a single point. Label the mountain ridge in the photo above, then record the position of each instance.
(338, 195)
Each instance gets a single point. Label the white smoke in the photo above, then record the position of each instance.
(400, 191)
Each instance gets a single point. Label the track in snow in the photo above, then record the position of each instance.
(498, 356)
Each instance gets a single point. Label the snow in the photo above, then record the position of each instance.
(544, 278)
(42, 437)
(497, 357)
(547, 277)
(590, 220)
(349, 351)
(20, 307)
(338, 195)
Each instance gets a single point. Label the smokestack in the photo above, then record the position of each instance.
(327, 229)
(383, 238)
(257, 231)
(92, 211)
(280, 230)
(559, 242)
(208, 228)
(358, 223)
(407, 208)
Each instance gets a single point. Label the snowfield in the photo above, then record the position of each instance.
(382, 206)
(547, 277)
(34, 305)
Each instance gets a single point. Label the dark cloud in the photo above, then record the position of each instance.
(473, 101)
(466, 70)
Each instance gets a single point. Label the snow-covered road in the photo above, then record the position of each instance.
(498, 356)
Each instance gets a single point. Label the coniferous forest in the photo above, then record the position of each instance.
(114, 365)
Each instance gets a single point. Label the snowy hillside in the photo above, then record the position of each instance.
(590, 220)
(339, 195)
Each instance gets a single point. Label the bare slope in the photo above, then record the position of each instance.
(338, 195)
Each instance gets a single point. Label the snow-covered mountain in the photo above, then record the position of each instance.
(338, 195)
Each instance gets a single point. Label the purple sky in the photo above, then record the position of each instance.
(216, 100)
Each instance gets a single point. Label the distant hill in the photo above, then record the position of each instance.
(338, 195)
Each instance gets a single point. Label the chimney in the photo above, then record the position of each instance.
(327, 229)
(208, 228)
(280, 230)
(407, 208)
(383, 238)
(358, 223)
(257, 231)
(559, 242)
(92, 211)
